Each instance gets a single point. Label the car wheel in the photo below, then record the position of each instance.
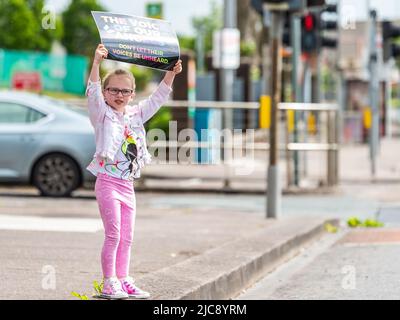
(56, 175)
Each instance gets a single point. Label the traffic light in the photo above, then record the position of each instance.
(328, 25)
(390, 32)
(309, 34)
(314, 26)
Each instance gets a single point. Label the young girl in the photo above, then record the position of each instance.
(120, 154)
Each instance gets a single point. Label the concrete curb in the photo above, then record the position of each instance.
(223, 272)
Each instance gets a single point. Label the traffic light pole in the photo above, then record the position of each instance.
(295, 39)
(274, 193)
(374, 92)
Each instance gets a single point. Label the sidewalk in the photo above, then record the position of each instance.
(180, 253)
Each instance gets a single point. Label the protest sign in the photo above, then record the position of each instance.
(143, 41)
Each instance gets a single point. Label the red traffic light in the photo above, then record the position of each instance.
(309, 22)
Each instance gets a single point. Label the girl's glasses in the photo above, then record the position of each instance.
(115, 91)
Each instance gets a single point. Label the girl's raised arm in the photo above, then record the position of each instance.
(100, 54)
(93, 90)
(170, 75)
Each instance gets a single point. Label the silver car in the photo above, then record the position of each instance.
(44, 142)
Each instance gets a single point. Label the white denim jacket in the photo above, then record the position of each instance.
(109, 123)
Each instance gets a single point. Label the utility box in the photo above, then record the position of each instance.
(206, 119)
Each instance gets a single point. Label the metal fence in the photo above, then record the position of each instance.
(328, 123)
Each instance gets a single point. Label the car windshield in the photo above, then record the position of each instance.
(66, 105)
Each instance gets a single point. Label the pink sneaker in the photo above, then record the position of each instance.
(112, 290)
(128, 285)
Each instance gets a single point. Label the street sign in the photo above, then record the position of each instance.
(154, 10)
(226, 49)
(353, 51)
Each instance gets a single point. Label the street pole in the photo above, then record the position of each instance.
(226, 85)
(295, 39)
(388, 106)
(274, 188)
(227, 75)
(200, 51)
(316, 81)
(307, 97)
(373, 92)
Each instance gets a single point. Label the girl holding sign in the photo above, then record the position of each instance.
(121, 152)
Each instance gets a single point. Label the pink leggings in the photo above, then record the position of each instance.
(117, 205)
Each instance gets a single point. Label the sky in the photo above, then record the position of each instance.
(180, 12)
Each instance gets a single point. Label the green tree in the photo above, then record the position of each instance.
(21, 25)
(208, 24)
(80, 31)
(187, 42)
(247, 48)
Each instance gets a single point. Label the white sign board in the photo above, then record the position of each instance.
(138, 40)
(353, 50)
(226, 49)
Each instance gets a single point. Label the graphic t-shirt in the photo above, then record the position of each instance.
(129, 159)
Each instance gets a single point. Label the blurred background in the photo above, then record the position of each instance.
(338, 60)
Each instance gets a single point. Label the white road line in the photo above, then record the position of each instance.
(29, 223)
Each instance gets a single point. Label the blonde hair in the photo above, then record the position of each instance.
(118, 72)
